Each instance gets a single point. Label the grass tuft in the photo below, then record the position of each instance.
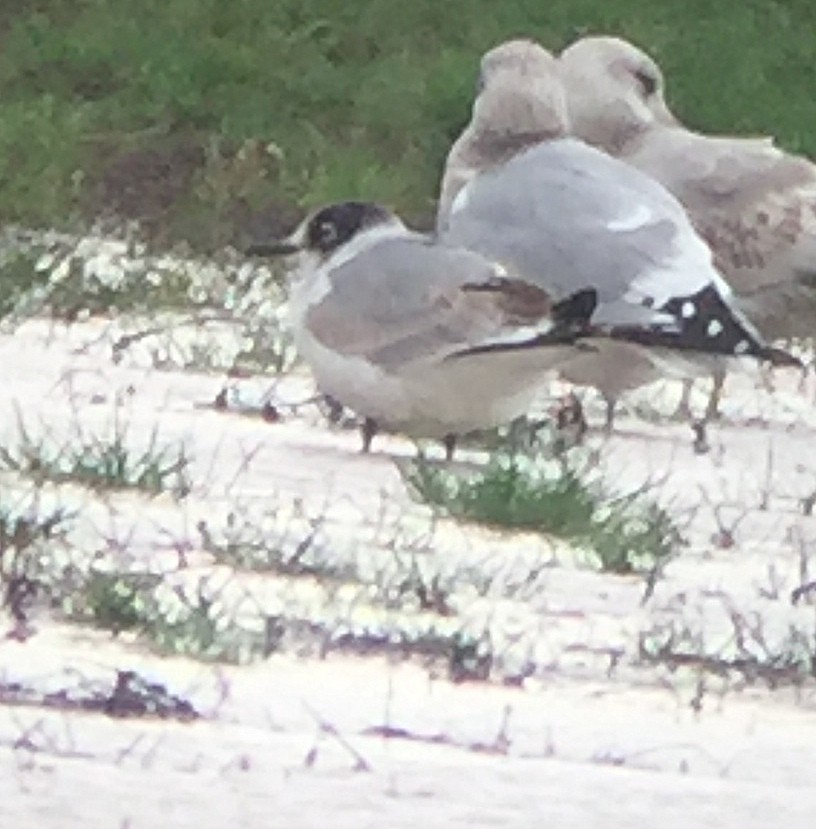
(555, 497)
(100, 463)
(193, 625)
(18, 277)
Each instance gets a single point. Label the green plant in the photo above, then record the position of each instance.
(100, 463)
(18, 276)
(555, 497)
(297, 550)
(190, 622)
(114, 601)
(635, 536)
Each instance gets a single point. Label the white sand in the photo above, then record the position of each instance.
(583, 747)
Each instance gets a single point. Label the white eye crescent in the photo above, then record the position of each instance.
(328, 232)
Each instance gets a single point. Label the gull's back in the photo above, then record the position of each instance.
(568, 216)
(393, 303)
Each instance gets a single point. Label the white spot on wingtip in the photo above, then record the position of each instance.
(641, 216)
(741, 347)
(714, 327)
(688, 310)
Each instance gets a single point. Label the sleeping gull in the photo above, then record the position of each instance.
(564, 215)
(753, 203)
(513, 70)
(417, 336)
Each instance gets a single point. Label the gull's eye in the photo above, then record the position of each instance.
(648, 82)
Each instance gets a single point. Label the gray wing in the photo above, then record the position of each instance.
(567, 217)
(410, 299)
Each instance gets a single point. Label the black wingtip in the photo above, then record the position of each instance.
(576, 309)
(706, 323)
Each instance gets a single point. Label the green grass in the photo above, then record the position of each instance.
(555, 497)
(260, 106)
(100, 463)
(80, 292)
(407, 604)
(201, 624)
(18, 276)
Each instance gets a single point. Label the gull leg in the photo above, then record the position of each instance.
(768, 378)
(700, 444)
(803, 376)
(368, 430)
(449, 442)
(713, 408)
(609, 423)
(570, 418)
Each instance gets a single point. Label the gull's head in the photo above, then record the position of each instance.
(615, 92)
(519, 93)
(519, 102)
(330, 229)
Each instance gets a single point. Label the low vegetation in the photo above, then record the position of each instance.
(32, 542)
(99, 463)
(207, 121)
(555, 496)
(198, 124)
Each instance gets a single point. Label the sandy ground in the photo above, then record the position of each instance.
(593, 737)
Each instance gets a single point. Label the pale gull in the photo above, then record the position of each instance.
(754, 204)
(416, 336)
(565, 216)
(525, 105)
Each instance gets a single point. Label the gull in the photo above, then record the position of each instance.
(753, 203)
(563, 215)
(417, 336)
(524, 105)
